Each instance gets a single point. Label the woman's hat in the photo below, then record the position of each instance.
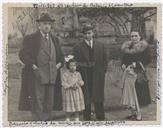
(45, 17)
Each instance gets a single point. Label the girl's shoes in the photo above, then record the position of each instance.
(77, 119)
(67, 119)
(138, 117)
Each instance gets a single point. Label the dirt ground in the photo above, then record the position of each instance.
(113, 109)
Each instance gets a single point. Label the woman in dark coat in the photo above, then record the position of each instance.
(136, 52)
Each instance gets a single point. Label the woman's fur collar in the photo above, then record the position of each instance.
(137, 48)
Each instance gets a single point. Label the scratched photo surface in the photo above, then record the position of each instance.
(112, 28)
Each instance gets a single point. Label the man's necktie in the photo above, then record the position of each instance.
(89, 42)
(48, 42)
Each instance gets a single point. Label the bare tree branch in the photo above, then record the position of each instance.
(149, 16)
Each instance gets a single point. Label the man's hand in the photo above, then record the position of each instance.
(34, 67)
(58, 65)
(36, 71)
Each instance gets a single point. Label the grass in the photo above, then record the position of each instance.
(112, 92)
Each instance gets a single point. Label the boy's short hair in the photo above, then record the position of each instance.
(68, 63)
(87, 27)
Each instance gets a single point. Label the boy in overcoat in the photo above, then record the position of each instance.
(92, 64)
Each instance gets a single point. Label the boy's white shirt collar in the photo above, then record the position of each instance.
(89, 42)
(43, 34)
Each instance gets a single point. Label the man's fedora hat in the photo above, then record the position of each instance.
(87, 27)
(45, 17)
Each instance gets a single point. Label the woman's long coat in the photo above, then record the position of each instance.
(28, 55)
(138, 53)
(81, 54)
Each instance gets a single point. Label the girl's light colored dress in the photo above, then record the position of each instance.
(73, 98)
(129, 96)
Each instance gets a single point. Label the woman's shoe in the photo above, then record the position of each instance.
(131, 116)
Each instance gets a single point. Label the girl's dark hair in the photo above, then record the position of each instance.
(68, 63)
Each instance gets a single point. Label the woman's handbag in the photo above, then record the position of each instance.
(141, 76)
(142, 87)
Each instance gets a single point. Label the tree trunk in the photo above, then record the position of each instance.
(137, 23)
(75, 22)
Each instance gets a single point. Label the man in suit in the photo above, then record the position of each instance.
(92, 64)
(41, 84)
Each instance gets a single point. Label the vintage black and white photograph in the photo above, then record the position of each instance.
(82, 63)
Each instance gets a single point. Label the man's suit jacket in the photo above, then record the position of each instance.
(46, 62)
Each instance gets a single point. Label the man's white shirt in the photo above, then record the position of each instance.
(89, 43)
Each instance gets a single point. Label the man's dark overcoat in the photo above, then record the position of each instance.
(81, 54)
(28, 55)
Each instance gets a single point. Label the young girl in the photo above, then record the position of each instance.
(72, 82)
